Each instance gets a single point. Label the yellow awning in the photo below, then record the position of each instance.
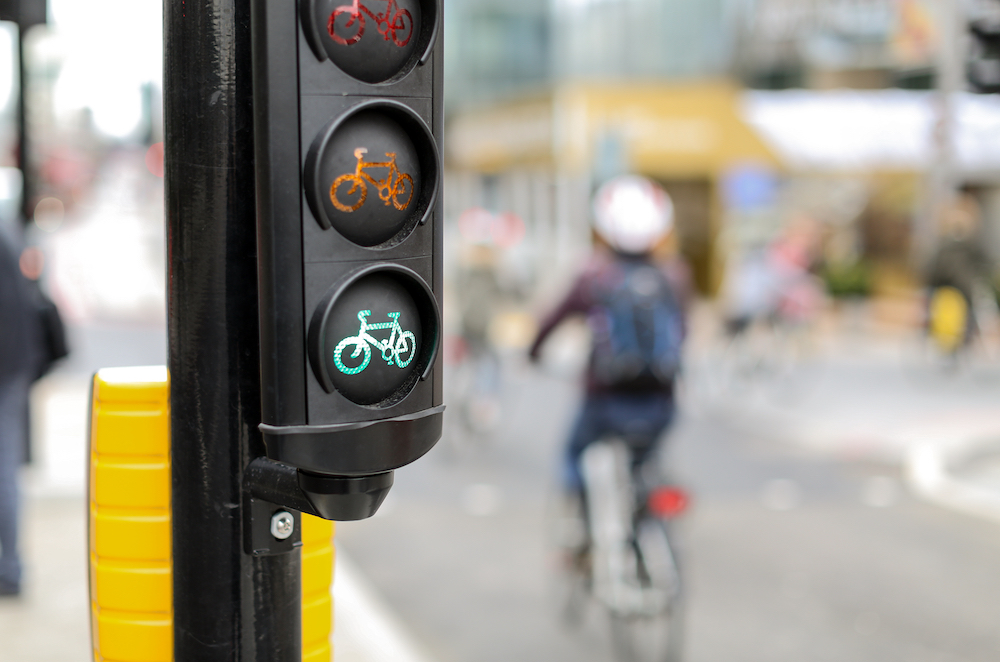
(665, 130)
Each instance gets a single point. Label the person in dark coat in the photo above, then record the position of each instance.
(20, 359)
(960, 261)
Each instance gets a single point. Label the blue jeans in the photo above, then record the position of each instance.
(639, 419)
(13, 405)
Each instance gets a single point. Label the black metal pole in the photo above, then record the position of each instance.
(23, 139)
(228, 605)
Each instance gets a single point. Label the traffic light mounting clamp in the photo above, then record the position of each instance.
(347, 124)
(269, 485)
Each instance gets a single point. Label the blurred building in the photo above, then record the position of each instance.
(749, 112)
(829, 44)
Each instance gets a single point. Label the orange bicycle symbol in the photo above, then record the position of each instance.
(394, 23)
(392, 189)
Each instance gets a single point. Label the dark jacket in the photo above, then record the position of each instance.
(588, 296)
(20, 330)
(962, 264)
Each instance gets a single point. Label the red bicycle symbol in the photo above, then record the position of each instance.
(393, 23)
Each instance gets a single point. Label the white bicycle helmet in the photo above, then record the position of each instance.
(632, 214)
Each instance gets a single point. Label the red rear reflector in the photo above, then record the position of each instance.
(667, 501)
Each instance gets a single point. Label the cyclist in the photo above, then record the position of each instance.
(635, 307)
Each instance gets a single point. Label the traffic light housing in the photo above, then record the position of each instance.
(347, 127)
(25, 13)
(983, 64)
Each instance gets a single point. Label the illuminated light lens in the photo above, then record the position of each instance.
(372, 174)
(667, 502)
(371, 40)
(374, 336)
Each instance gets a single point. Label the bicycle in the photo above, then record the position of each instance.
(389, 189)
(393, 349)
(393, 22)
(617, 551)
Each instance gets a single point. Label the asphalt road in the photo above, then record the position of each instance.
(788, 555)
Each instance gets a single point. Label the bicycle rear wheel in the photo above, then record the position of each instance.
(652, 631)
(569, 562)
(346, 26)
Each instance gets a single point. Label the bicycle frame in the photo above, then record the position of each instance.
(385, 191)
(389, 189)
(611, 494)
(387, 349)
(384, 22)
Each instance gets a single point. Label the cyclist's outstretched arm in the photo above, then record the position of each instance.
(576, 302)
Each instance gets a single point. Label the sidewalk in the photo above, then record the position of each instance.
(49, 622)
(875, 396)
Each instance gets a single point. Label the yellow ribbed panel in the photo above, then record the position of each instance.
(317, 576)
(130, 572)
(130, 581)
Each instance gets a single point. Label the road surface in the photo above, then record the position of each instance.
(789, 555)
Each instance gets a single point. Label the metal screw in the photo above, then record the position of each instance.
(282, 525)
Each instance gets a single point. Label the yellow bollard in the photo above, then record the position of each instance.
(129, 527)
(317, 576)
(949, 314)
(130, 583)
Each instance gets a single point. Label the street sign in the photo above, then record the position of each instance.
(347, 104)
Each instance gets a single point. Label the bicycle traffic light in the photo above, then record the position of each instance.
(347, 107)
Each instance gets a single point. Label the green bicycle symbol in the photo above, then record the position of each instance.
(400, 344)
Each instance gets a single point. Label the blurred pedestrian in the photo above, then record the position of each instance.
(20, 363)
(481, 298)
(775, 284)
(960, 262)
(635, 307)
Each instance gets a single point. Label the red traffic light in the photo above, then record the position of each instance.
(373, 41)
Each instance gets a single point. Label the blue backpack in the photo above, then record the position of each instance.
(638, 330)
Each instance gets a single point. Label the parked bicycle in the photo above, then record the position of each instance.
(391, 190)
(395, 23)
(617, 551)
(399, 348)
